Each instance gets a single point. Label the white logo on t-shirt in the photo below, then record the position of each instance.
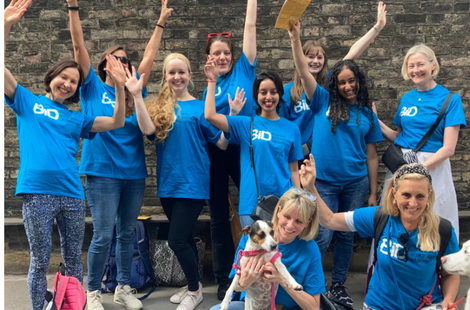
(219, 91)
(394, 247)
(51, 113)
(107, 100)
(408, 111)
(301, 106)
(262, 135)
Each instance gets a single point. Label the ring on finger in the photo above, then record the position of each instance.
(19, 6)
(256, 272)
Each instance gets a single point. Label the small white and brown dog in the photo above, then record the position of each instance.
(459, 263)
(260, 242)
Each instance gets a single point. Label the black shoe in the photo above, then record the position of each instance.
(338, 294)
(222, 290)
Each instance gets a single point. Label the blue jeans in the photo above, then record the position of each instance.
(234, 305)
(112, 201)
(342, 198)
(246, 220)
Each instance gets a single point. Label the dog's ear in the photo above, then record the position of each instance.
(270, 224)
(246, 230)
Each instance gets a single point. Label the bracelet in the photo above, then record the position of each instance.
(72, 8)
(158, 25)
(211, 81)
(375, 28)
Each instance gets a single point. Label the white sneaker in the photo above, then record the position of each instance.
(191, 300)
(94, 300)
(178, 296)
(124, 295)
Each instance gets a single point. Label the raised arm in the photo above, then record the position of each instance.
(79, 48)
(151, 50)
(363, 43)
(135, 86)
(328, 219)
(249, 34)
(105, 123)
(210, 112)
(12, 15)
(387, 132)
(308, 81)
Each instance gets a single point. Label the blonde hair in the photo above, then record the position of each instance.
(310, 47)
(102, 74)
(161, 108)
(426, 51)
(296, 200)
(428, 230)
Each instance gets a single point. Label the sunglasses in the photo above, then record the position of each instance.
(124, 60)
(222, 34)
(299, 191)
(402, 253)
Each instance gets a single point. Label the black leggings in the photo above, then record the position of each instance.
(183, 214)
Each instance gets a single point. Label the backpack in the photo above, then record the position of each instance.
(142, 273)
(67, 293)
(380, 220)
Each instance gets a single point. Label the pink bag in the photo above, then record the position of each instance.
(69, 292)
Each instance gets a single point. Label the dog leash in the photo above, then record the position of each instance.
(237, 268)
(452, 306)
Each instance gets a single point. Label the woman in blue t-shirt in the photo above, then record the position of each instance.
(183, 166)
(344, 146)
(296, 108)
(48, 179)
(417, 112)
(275, 140)
(241, 73)
(114, 163)
(405, 273)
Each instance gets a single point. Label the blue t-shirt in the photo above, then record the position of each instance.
(340, 156)
(303, 261)
(415, 117)
(117, 153)
(298, 113)
(49, 135)
(415, 277)
(243, 76)
(183, 165)
(275, 145)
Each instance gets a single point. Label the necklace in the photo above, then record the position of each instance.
(425, 93)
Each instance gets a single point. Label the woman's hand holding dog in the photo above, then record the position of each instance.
(251, 271)
(274, 276)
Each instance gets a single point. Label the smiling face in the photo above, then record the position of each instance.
(220, 52)
(411, 196)
(177, 75)
(289, 225)
(420, 70)
(348, 86)
(315, 61)
(64, 85)
(268, 96)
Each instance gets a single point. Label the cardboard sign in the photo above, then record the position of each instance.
(292, 10)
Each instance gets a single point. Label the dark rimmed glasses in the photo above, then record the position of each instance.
(222, 34)
(402, 253)
(124, 60)
(299, 191)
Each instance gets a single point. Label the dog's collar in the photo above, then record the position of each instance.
(248, 253)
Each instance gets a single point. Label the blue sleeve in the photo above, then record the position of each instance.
(239, 127)
(453, 246)
(89, 86)
(247, 68)
(314, 282)
(296, 153)
(144, 91)
(23, 99)
(88, 121)
(364, 221)
(455, 114)
(375, 134)
(211, 133)
(319, 99)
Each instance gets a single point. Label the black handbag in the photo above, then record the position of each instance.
(264, 210)
(393, 157)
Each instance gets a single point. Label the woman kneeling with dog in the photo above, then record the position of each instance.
(405, 274)
(295, 222)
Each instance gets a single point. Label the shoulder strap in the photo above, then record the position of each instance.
(60, 286)
(143, 247)
(445, 231)
(252, 157)
(436, 123)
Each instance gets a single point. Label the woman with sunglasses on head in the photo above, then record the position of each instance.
(232, 75)
(114, 163)
(409, 243)
(48, 179)
(417, 112)
(344, 143)
(183, 135)
(296, 108)
(295, 225)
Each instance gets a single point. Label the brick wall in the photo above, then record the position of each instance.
(43, 37)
